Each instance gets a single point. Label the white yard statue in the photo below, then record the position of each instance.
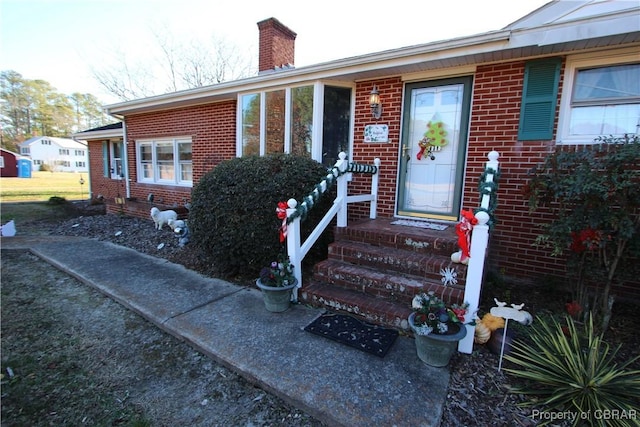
(514, 312)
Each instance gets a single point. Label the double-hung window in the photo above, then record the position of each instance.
(165, 161)
(601, 98)
(116, 153)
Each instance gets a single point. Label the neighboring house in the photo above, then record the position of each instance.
(8, 163)
(58, 154)
(564, 74)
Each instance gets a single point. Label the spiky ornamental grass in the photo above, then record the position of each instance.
(572, 370)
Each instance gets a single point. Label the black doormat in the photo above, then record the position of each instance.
(355, 333)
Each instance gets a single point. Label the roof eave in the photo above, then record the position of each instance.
(555, 37)
(369, 62)
(102, 134)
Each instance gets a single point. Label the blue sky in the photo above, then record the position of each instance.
(62, 40)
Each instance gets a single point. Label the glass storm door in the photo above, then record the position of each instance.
(432, 152)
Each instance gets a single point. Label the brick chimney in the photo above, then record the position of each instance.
(277, 45)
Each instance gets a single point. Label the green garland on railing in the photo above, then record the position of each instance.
(308, 201)
(490, 189)
(358, 168)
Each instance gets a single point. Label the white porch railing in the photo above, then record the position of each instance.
(478, 250)
(341, 175)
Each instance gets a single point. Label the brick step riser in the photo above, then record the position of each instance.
(391, 287)
(406, 241)
(424, 267)
(374, 269)
(368, 311)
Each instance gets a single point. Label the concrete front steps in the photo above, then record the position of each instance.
(375, 268)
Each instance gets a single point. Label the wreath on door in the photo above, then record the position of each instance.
(433, 139)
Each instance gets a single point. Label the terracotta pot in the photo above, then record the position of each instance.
(276, 299)
(436, 350)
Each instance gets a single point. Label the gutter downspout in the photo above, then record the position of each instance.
(127, 184)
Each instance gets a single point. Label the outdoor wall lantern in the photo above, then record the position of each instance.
(374, 102)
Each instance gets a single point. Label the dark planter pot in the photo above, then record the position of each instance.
(495, 342)
(436, 350)
(276, 299)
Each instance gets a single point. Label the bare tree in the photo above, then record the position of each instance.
(125, 79)
(174, 66)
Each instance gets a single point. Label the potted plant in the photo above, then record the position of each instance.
(437, 327)
(276, 282)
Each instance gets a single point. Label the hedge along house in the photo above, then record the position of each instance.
(563, 74)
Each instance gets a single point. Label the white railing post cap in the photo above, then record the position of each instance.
(493, 155)
(292, 203)
(482, 217)
(342, 155)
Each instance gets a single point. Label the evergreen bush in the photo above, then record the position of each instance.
(233, 218)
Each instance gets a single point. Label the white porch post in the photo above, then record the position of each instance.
(342, 164)
(477, 255)
(479, 242)
(293, 247)
(374, 190)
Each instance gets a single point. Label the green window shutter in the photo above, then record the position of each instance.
(105, 159)
(539, 98)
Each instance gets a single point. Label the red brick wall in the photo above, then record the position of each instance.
(365, 152)
(100, 185)
(494, 126)
(497, 92)
(212, 129)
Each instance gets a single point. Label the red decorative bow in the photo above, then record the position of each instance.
(463, 230)
(281, 211)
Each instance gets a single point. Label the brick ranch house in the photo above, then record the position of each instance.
(520, 91)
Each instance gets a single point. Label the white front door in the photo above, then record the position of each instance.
(434, 141)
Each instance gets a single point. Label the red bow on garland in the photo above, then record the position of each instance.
(281, 211)
(463, 230)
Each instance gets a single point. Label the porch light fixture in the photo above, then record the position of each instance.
(374, 103)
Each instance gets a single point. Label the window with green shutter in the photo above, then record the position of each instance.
(539, 98)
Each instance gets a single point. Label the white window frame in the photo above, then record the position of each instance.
(317, 128)
(573, 65)
(115, 159)
(177, 163)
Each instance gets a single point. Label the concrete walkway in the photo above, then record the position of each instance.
(333, 382)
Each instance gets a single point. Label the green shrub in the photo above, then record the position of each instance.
(594, 193)
(233, 218)
(575, 371)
